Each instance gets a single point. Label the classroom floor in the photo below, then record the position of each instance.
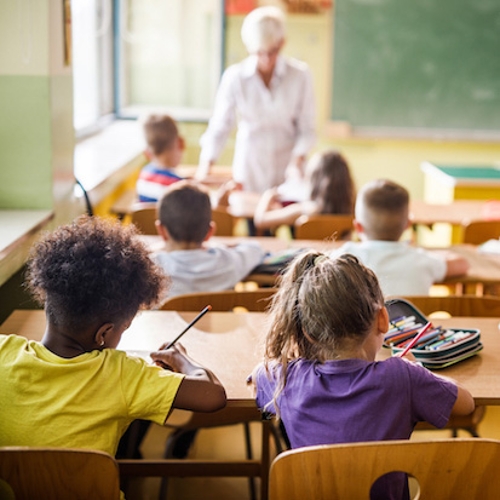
(228, 443)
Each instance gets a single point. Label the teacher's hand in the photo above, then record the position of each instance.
(203, 170)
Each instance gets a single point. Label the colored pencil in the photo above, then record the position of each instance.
(419, 335)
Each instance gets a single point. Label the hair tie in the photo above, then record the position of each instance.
(320, 258)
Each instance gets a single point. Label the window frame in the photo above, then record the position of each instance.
(186, 114)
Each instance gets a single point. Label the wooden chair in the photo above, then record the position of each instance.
(143, 215)
(462, 305)
(224, 222)
(454, 468)
(319, 227)
(227, 300)
(255, 300)
(478, 231)
(458, 305)
(57, 474)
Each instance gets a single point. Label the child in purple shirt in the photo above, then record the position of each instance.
(320, 376)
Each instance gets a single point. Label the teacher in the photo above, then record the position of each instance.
(272, 97)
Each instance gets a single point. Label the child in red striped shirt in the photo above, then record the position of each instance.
(165, 148)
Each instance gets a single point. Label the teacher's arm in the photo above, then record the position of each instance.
(220, 125)
(270, 213)
(305, 122)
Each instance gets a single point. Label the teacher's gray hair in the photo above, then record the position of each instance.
(263, 28)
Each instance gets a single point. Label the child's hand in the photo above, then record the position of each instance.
(252, 378)
(410, 357)
(177, 360)
(221, 196)
(172, 359)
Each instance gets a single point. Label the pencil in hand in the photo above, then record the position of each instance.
(415, 339)
(165, 365)
(195, 320)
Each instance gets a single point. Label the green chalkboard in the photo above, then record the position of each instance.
(417, 64)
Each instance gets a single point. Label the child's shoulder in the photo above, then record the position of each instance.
(347, 247)
(159, 169)
(12, 341)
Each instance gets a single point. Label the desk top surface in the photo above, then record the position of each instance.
(231, 344)
(484, 267)
(242, 204)
(19, 229)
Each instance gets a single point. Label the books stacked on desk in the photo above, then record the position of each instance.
(439, 347)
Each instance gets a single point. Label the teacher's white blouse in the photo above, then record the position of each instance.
(275, 124)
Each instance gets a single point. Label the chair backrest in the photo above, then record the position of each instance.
(457, 305)
(319, 227)
(451, 468)
(252, 300)
(479, 231)
(143, 215)
(57, 474)
(224, 222)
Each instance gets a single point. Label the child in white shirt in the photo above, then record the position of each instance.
(381, 217)
(185, 223)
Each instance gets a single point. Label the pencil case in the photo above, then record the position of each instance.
(439, 347)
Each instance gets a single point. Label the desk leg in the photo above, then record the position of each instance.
(265, 459)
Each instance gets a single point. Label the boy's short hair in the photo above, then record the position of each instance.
(186, 212)
(160, 131)
(263, 28)
(93, 271)
(382, 208)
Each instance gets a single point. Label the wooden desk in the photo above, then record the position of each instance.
(268, 243)
(484, 268)
(455, 213)
(242, 204)
(217, 177)
(19, 229)
(484, 271)
(231, 345)
(210, 341)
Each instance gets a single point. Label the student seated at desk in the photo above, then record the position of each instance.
(185, 223)
(320, 377)
(165, 148)
(74, 389)
(381, 217)
(329, 190)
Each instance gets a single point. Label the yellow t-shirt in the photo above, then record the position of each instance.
(83, 402)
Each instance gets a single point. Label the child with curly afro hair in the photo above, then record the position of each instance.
(74, 389)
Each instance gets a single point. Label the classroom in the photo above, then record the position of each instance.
(403, 92)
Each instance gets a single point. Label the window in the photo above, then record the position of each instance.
(134, 56)
(169, 56)
(92, 47)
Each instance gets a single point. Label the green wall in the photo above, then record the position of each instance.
(25, 144)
